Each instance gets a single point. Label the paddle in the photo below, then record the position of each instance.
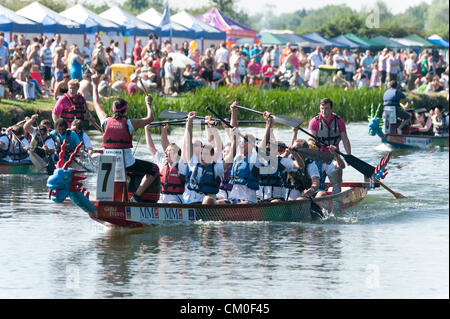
(178, 115)
(34, 158)
(281, 119)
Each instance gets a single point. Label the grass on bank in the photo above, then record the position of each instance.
(352, 105)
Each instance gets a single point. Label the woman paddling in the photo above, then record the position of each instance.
(118, 134)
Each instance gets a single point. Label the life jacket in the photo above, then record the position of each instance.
(16, 151)
(77, 110)
(4, 153)
(59, 141)
(274, 179)
(225, 180)
(116, 134)
(441, 129)
(171, 180)
(330, 135)
(39, 143)
(207, 182)
(241, 174)
(300, 179)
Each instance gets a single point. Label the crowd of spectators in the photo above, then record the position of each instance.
(42, 67)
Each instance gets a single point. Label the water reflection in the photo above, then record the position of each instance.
(189, 261)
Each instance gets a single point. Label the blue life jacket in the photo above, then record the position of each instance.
(242, 174)
(207, 182)
(274, 179)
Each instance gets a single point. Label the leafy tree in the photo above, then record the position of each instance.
(136, 6)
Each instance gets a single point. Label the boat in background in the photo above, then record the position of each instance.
(17, 168)
(377, 125)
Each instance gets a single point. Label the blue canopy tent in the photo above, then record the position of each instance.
(348, 43)
(133, 26)
(313, 36)
(299, 40)
(92, 22)
(170, 28)
(438, 40)
(51, 21)
(12, 22)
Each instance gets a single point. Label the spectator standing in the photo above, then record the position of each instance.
(223, 55)
(349, 65)
(392, 66)
(316, 58)
(137, 51)
(4, 53)
(366, 63)
(275, 57)
(169, 75)
(382, 57)
(339, 61)
(47, 61)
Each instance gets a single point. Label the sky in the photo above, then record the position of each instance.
(284, 6)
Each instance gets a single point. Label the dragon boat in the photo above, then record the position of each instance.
(25, 168)
(112, 207)
(383, 128)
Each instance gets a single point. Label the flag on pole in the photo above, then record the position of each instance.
(166, 18)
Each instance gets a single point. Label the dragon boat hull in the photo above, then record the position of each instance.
(129, 215)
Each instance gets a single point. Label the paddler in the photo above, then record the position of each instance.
(204, 180)
(118, 134)
(275, 167)
(330, 129)
(303, 183)
(245, 170)
(171, 166)
(62, 133)
(14, 146)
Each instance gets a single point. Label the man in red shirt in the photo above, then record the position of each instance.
(329, 127)
(137, 51)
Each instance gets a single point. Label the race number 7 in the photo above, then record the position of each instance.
(105, 177)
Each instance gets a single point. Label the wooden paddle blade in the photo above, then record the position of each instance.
(315, 155)
(37, 161)
(169, 114)
(361, 166)
(287, 120)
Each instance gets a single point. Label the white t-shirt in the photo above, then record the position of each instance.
(350, 67)
(4, 139)
(338, 61)
(50, 143)
(128, 154)
(222, 55)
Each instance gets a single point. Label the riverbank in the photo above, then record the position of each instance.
(351, 105)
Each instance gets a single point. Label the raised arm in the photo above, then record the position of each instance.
(148, 137)
(141, 123)
(187, 150)
(164, 139)
(340, 163)
(28, 126)
(96, 99)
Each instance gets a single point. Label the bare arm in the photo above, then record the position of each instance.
(150, 145)
(187, 149)
(340, 163)
(164, 139)
(346, 142)
(95, 97)
(141, 123)
(28, 126)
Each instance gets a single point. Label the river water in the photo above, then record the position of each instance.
(382, 248)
